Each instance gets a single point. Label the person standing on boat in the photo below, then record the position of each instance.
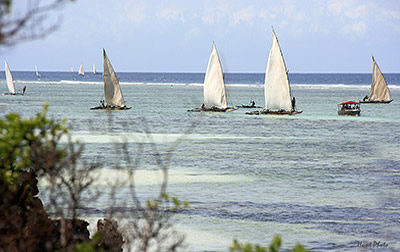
(23, 90)
(293, 103)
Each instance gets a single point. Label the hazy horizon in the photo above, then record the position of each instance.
(187, 72)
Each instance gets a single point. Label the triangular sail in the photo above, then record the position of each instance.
(94, 69)
(214, 86)
(9, 78)
(112, 90)
(277, 87)
(81, 71)
(379, 89)
(37, 72)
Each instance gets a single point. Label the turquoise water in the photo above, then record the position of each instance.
(316, 178)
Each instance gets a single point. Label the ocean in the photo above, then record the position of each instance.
(329, 182)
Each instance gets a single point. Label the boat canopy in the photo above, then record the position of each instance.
(348, 102)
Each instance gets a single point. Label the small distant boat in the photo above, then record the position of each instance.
(94, 69)
(37, 72)
(112, 89)
(277, 93)
(379, 92)
(251, 105)
(351, 108)
(10, 82)
(81, 71)
(214, 92)
(72, 69)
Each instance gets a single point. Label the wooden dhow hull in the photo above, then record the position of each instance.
(248, 106)
(110, 108)
(13, 94)
(384, 102)
(273, 112)
(212, 110)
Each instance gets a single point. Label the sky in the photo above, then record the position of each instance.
(316, 36)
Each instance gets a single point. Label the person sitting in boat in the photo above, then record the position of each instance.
(203, 106)
(215, 109)
(102, 103)
(365, 98)
(253, 103)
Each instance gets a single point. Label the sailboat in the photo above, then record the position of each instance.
(37, 72)
(278, 100)
(10, 82)
(379, 92)
(94, 69)
(214, 92)
(112, 89)
(81, 71)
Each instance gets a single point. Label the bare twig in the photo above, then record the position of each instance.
(149, 225)
(32, 24)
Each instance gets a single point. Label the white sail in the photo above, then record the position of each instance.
(81, 71)
(277, 87)
(94, 69)
(112, 89)
(37, 72)
(379, 89)
(9, 78)
(72, 69)
(214, 86)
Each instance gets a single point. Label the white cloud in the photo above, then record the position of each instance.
(216, 13)
(208, 17)
(284, 23)
(347, 8)
(357, 29)
(391, 14)
(337, 7)
(193, 34)
(243, 15)
(390, 17)
(350, 17)
(357, 12)
(263, 14)
(343, 16)
(290, 10)
(170, 15)
(131, 11)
